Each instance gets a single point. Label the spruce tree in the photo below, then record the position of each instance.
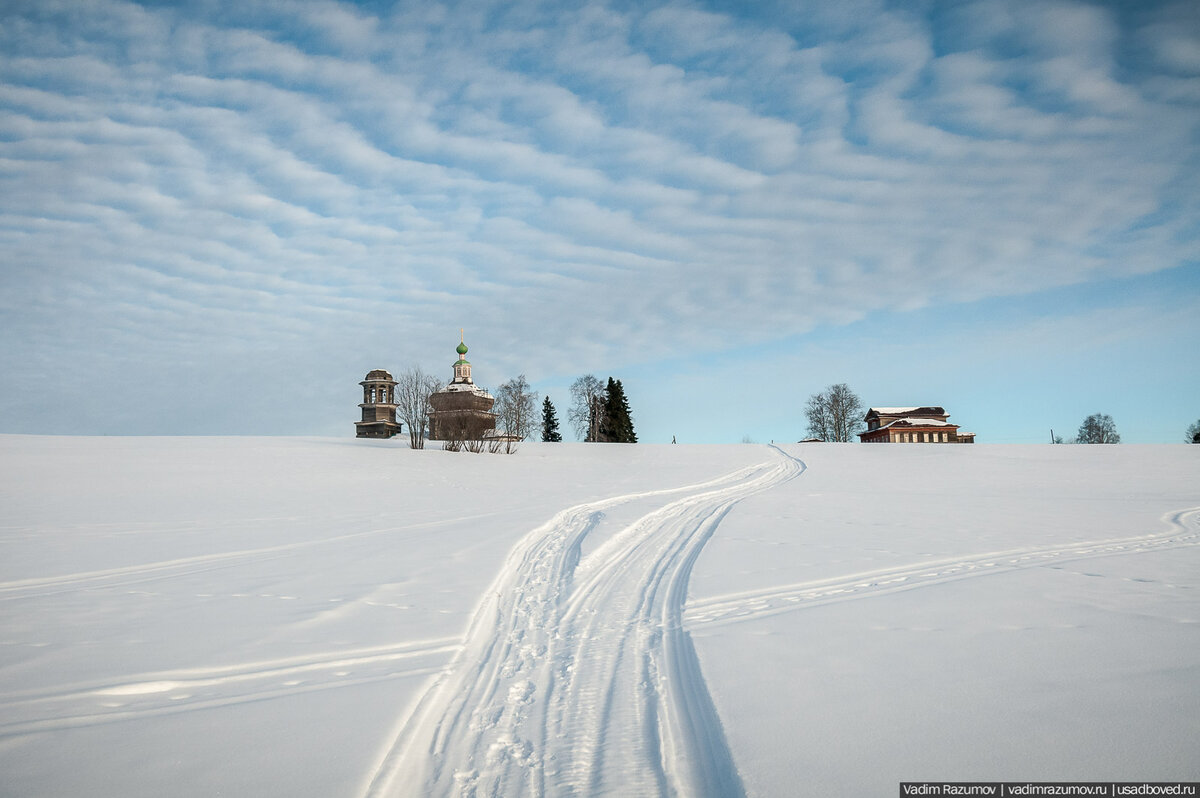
(627, 433)
(550, 432)
(607, 426)
(616, 424)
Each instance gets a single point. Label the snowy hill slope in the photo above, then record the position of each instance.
(201, 616)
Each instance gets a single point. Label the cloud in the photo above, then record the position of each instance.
(598, 184)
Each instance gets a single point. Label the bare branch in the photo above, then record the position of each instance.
(515, 407)
(413, 389)
(587, 393)
(1098, 428)
(834, 414)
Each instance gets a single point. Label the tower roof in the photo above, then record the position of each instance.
(462, 366)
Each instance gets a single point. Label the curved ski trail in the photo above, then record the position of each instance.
(1184, 530)
(576, 676)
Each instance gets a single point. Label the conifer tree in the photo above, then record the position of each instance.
(550, 432)
(627, 435)
(607, 420)
(616, 425)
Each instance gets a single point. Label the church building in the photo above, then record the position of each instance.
(462, 410)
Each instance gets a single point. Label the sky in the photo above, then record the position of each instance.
(217, 217)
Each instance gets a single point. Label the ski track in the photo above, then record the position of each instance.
(576, 676)
(40, 587)
(136, 696)
(1184, 530)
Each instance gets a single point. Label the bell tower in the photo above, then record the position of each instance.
(462, 369)
(378, 407)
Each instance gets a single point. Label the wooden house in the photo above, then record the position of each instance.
(912, 425)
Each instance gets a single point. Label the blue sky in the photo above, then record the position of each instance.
(216, 217)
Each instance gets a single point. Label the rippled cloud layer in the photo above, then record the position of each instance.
(233, 206)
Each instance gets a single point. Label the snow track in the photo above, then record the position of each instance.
(40, 587)
(171, 692)
(1184, 530)
(576, 676)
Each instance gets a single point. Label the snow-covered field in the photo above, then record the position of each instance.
(320, 617)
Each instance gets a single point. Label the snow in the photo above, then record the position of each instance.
(465, 387)
(915, 422)
(314, 617)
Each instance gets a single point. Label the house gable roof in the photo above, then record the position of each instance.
(927, 410)
(910, 423)
(917, 422)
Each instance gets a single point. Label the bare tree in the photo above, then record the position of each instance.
(819, 423)
(834, 414)
(413, 389)
(846, 410)
(1098, 428)
(515, 407)
(469, 433)
(587, 407)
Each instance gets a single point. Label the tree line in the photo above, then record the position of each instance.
(599, 412)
